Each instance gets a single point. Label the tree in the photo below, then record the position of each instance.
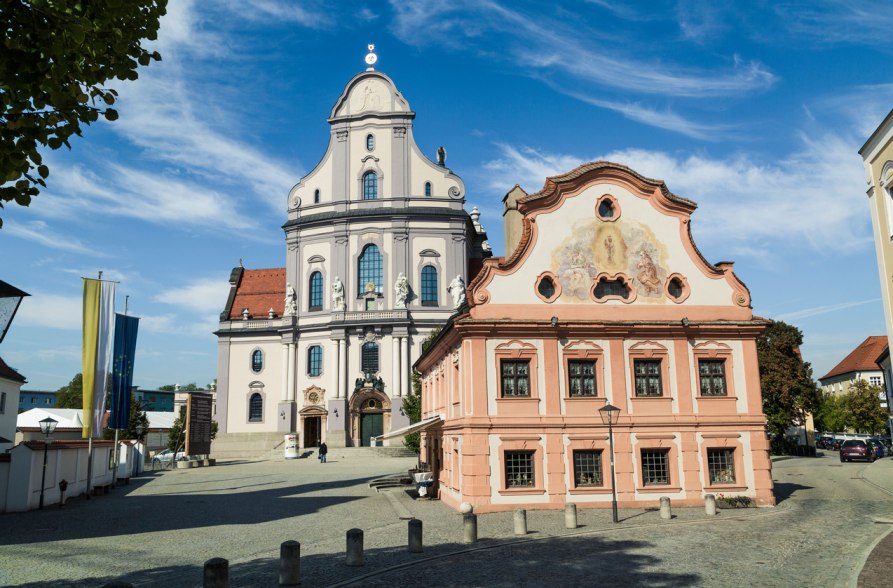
(178, 428)
(56, 59)
(72, 395)
(831, 414)
(168, 388)
(863, 408)
(789, 392)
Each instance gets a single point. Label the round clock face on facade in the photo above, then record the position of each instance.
(313, 397)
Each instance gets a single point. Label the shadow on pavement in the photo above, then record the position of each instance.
(784, 490)
(564, 561)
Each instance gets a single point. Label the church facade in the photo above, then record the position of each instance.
(378, 248)
(601, 301)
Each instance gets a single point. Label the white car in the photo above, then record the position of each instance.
(166, 456)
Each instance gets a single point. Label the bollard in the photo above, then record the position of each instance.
(415, 536)
(216, 573)
(665, 512)
(570, 516)
(710, 504)
(520, 521)
(355, 547)
(290, 563)
(470, 527)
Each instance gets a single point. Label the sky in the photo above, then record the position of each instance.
(754, 110)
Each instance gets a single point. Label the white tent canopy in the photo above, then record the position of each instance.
(413, 428)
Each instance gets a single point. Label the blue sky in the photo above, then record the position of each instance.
(755, 110)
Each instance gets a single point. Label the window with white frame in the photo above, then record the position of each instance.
(519, 469)
(315, 291)
(721, 465)
(257, 361)
(369, 269)
(256, 408)
(370, 186)
(655, 467)
(314, 360)
(429, 286)
(588, 468)
(875, 380)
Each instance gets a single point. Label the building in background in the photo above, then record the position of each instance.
(29, 399)
(602, 297)
(154, 400)
(877, 156)
(10, 386)
(378, 247)
(860, 364)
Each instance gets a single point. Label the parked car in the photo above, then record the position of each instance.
(166, 456)
(824, 442)
(878, 447)
(856, 449)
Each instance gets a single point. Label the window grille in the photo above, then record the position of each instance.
(648, 377)
(588, 468)
(314, 360)
(370, 357)
(370, 269)
(429, 286)
(370, 186)
(606, 288)
(315, 291)
(256, 408)
(515, 378)
(257, 361)
(581, 378)
(713, 377)
(519, 472)
(721, 465)
(655, 467)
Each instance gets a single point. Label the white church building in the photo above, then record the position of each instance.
(378, 248)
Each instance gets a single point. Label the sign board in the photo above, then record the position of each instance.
(198, 423)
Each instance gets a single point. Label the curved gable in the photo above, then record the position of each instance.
(369, 93)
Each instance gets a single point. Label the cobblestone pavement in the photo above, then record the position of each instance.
(160, 529)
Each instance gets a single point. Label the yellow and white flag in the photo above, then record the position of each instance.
(99, 326)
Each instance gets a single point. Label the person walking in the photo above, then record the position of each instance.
(323, 450)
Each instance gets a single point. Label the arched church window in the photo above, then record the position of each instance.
(369, 270)
(256, 408)
(429, 286)
(314, 360)
(370, 357)
(427, 189)
(316, 196)
(370, 186)
(257, 361)
(315, 291)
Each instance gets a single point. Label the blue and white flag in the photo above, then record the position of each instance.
(122, 378)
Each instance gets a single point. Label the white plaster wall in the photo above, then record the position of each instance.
(241, 376)
(8, 416)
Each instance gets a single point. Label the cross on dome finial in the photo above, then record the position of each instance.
(371, 58)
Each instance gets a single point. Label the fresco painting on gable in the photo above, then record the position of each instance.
(595, 247)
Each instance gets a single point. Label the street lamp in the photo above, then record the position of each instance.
(140, 429)
(10, 298)
(47, 426)
(610, 414)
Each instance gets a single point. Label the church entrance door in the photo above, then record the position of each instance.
(371, 425)
(311, 431)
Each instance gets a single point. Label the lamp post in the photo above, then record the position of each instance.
(610, 414)
(139, 437)
(47, 426)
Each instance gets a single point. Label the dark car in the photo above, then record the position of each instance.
(835, 444)
(824, 442)
(878, 447)
(856, 449)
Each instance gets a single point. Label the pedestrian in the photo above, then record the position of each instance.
(323, 450)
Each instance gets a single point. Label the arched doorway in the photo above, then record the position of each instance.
(370, 416)
(313, 425)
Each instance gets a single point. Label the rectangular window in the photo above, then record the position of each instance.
(655, 467)
(519, 471)
(587, 468)
(713, 377)
(874, 380)
(370, 357)
(647, 373)
(314, 360)
(515, 378)
(721, 465)
(581, 378)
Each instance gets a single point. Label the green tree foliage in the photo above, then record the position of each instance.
(55, 60)
(831, 415)
(412, 406)
(72, 395)
(175, 436)
(789, 391)
(863, 408)
(168, 387)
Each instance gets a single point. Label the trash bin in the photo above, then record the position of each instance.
(291, 446)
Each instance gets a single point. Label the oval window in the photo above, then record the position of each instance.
(370, 142)
(606, 209)
(675, 288)
(546, 287)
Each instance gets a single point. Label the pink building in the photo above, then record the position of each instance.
(602, 297)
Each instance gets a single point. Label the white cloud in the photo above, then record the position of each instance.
(819, 310)
(40, 232)
(172, 324)
(750, 205)
(538, 43)
(838, 21)
(53, 311)
(205, 296)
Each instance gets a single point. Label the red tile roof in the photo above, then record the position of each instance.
(862, 358)
(259, 291)
(9, 373)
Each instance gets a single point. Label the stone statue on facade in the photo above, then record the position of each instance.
(337, 294)
(401, 291)
(291, 301)
(457, 291)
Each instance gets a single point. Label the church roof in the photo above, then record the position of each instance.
(861, 359)
(260, 290)
(7, 373)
